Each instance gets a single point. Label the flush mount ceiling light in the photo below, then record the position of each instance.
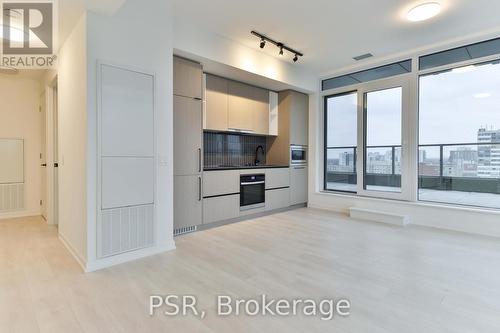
(482, 95)
(281, 46)
(423, 11)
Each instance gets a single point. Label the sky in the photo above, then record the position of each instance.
(452, 107)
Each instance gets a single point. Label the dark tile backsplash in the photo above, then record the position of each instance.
(223, 149)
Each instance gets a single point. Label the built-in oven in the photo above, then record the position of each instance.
(298, 155)
(252, 191)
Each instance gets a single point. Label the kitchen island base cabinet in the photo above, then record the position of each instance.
(277, 199)
(221, 208)
(298, 185)
(187, 201)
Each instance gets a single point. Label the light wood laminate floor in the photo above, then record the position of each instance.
(397, 279)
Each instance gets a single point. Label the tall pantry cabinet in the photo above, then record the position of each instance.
(188, 138)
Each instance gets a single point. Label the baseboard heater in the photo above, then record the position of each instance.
(377, 216)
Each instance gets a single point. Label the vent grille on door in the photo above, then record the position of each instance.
(125, 229)
(184, 230)
(11, 197)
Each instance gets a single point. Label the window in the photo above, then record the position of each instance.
(341, 142)
(459, 140)
(473, 51)
(420, 136)
(383, 140)
(402, 67)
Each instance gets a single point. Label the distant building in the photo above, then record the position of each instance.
(488, 155)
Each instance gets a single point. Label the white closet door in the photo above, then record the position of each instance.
(127, 137)
(127, 182)
(127, 119)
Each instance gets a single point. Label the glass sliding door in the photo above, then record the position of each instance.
(341, 123)
(385, 161)
(383, 130)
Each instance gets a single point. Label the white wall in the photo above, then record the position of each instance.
(72, 100)
(193, 39)
(20, 118)
(138, 35)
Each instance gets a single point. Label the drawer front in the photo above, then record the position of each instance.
(279, 177)
(221, 208)
(221, 182)
(277, 199)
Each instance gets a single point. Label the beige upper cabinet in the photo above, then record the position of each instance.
(240, 107)
(236, 106)
(299, 119)
(216, 111)
(188, 77)
(261, 111)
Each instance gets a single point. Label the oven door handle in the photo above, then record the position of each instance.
(252, 183)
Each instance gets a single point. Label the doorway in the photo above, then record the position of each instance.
(49, 160)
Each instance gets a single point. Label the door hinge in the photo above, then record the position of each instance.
(41, 202)
(40, 108)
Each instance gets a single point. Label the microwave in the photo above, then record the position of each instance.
(298, 155)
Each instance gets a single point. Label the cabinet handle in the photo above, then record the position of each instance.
(299, 168)
(199, 188)
(199, 159)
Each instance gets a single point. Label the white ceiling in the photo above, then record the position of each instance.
(331, 32)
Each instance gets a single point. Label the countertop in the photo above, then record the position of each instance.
(235, 167)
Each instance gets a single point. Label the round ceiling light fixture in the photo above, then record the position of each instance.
(423, 11)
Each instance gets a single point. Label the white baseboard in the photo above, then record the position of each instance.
(126, 257)
(17, 214)
(72, 251)
(378, 216)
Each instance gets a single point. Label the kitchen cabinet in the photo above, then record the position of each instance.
(188, 139)
(188, 202)
(187, 136)
(298, 185)
(235, 106)
(277, 199)
(293, 125)
(188, 78)
(299, 119)
(240, 107)
(260, 109)
(278, 177)
(216, 98)
(221, 182)
(221, 208)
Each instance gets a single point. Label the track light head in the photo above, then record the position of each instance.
(295, 58)
(281, 48)
(262, 43)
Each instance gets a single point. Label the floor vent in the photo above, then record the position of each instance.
(11, 197)
(377, 216)
(184, 230)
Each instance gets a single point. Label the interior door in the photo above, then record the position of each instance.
(43, 155)
(384, 140)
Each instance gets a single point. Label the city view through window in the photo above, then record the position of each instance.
(459, 138)
(459, 126)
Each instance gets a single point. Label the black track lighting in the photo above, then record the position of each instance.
(280, 45)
